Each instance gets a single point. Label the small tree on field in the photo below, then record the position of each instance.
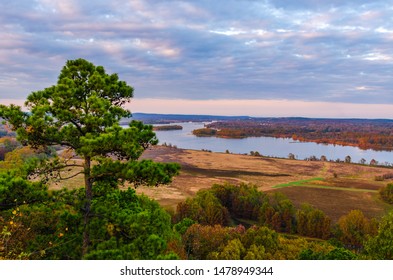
(386, 193)
(82, 113)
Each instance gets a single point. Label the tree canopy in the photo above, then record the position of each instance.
(81, 113)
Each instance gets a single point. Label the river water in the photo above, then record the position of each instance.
(267, 146)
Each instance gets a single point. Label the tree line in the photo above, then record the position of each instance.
(224, 209)
(224, 222)
(365, 134)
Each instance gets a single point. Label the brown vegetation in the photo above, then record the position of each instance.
(167, 127)
(354, 186)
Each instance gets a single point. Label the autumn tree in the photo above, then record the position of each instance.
(381, 245)
(312, 222)
(243, 201)
(204, 208)
(279, 213)
(354, 229)
(82, 113)
(201, 240)
(386, 193)
(234, 250)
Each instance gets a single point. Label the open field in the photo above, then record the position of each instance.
(335, 188)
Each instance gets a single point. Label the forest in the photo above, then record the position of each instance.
(362, 133)
(167, 127)
(230, 222)
(73, 129)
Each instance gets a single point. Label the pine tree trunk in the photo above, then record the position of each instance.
(89, 195)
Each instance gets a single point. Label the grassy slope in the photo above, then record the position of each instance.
(335, 188)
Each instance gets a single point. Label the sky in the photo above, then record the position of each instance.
(260, 58)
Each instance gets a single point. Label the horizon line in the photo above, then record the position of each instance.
(281, 108)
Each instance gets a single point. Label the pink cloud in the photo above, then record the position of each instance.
(263, 108)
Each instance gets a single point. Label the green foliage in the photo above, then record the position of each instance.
(51, 225)
(45, 229)
(222, 203)
(143, 172)
(381, 245)
(335, 254)
(82, 113)
(127, 226)
(234, 250)
(204, 208)
(255, 253)
(312, 222)
(182, 226)
(17, 190)
(242, 201)
(56, 231)
(217, 242)
(278, 213)
(261, 237)
(256, 243)
(353, 229)
(386, 193)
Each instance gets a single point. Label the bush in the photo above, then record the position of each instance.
(384, 177)
(386, 193)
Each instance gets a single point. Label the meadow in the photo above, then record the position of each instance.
(335, 188)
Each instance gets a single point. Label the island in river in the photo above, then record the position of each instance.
(167, 127)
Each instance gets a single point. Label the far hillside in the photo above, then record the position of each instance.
(374, 134)
(171, 118)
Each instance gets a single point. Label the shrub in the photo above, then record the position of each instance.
(386, 193)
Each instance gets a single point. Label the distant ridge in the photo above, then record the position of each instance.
(186, 118)
(148, 118)
(168, 118)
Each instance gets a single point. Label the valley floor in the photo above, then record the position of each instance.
(335, 188)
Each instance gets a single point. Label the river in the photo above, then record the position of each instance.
(267, 146)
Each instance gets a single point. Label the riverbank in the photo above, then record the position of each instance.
(364, 134)
(270, 146)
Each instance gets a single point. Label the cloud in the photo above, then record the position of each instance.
(314, 51)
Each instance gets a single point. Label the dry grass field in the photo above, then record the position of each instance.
(335, 188)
